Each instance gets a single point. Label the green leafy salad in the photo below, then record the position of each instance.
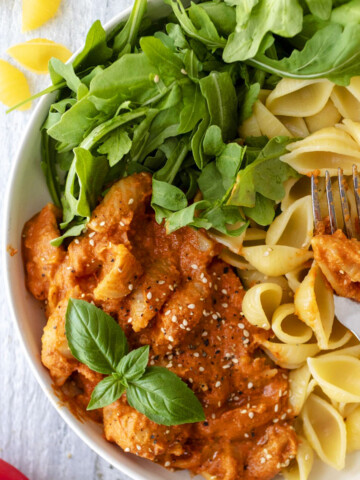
(166, 96)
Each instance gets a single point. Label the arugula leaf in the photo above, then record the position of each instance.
(320, 8)
(222, 16)
(247, 98)
(213, 143)
(194, 108)
(347, 13)
(49, 168)
(83, 185)
(116, 146)
(263, 212)
(167, 196)
(219, 92)
(164, 398)
(74, 230)
(265, 176)
(133, 365)
(333, 53)
(128, 34)
(94, 337)
(95, 50)
(197, 141)
(198, 24)
(60, 71)
(106, 392)
(282, 17)
(168, 63)
(187, 217)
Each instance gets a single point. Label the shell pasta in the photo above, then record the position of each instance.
(288, 293)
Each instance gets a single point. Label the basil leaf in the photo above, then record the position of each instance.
(219, 92)
(333, 53)
(106, 392)
(167, 196)
(94, 337)
(133, 365)
(164, 398)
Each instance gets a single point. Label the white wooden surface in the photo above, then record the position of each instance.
(32, 435)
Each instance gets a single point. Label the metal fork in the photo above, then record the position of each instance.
(347, 311)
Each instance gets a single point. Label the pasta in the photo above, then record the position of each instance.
(352, 424)
(314, 304)
(347, 99)
(327, 117)
(323, 150)
(276, 260)
(299, 98)
(288, 328)
(294, 226)
(290, 356)
(260, 302)
(338, 376)
(301, 467)
(299, 381)
(268, 124)
(325, 430)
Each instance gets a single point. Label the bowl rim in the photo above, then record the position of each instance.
(134, 471)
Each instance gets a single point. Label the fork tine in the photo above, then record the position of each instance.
(356, 190)
(344, 204)
(330, 202)
(315, 202)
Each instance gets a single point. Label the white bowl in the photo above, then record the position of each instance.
(27, 194)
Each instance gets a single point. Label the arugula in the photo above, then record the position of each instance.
(96, 340)
(333, 53)
(282, 17)
(261, 184)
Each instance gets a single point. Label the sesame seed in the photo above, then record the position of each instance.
(241, 325)
(194, 266)
(174, 318)
(77, 241)
(138, 447)
(205, 313)
(225, 305)
(213, 416)
(167, 464)
(120, 270)
(201, 369)
(156, 79)
(276, 408)
(246, 435)
(204, 334)
(131, 201)
(185, 322)
(251, 414)
(217, 384)
(204, 280)
(102, 224)
(183, 71)
(191, 380)
(171, 339)
(182, 326)
(161, 282)
(149, 295)
(262, 460)
(91, 234)
(224, 291)
(191, 306)
(130, 286)
(226, 366)
(342, 272)
(91, 242)
(275, 420)
(235, 360)
(283, 416)
(127, 449)
(196, 354)
(250, 385)
(214, 316)
(246, 333)
(122, 224)
(169, 365)
(167, 312)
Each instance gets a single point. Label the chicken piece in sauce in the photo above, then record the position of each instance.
(339, 260)
(172, 293)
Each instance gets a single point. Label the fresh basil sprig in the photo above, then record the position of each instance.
(96, 340)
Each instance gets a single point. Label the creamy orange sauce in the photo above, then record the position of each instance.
(174, 294)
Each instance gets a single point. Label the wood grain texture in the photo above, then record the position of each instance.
(32, 435)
